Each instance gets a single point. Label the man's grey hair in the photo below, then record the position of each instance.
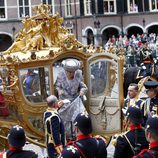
(51, 100)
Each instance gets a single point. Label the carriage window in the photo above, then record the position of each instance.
(35, 83)
(59, 76)
(103, 79)
(98, 77)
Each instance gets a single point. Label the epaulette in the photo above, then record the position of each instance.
(124, 133)
(114, 140)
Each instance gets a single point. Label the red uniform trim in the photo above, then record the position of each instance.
(13, 148)
(133, 127)
(148, 61)
(153, 144)
(82, 136)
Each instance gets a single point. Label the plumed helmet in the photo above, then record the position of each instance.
(71, 65)
(83, 122)
(16, 136)
(135, 114)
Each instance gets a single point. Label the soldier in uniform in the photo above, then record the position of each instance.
(17, 139)
(133, 141)
(151, 104)
(85, 146)
(54, 128)
(147, 60)
(152, 136)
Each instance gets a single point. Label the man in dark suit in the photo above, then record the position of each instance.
(133, 141)
(152, 136)
(85, 146)
(17, 139)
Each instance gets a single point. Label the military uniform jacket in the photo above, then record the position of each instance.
(126, 142)
(89, 147)
(150, 105)
(149, 153)
(54, 128)
(137, 102)
(18, 154)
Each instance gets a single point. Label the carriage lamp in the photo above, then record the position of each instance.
(13, 30)
(97, 24)
(143, 22)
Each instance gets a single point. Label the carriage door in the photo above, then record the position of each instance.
(104, 104)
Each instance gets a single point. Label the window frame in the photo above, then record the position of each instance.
(68, 8)
(52, 5)
(89, 4)
(5, 11)
(150, 6)
(21, 84)
(115, 10)
(29, 5)
(128, 6)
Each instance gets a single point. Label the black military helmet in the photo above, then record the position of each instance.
(135, 114)
(83, 122)
(16, 137)
(151, 84)
(152, 124)
(70, 151)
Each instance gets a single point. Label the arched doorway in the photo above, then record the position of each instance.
(153, 29)
(5, 42)
(90, 37)
(108, 33)
(134, 30)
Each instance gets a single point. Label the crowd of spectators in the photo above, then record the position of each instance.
(133, 45)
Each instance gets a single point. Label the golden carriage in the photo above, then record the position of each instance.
(39, 48)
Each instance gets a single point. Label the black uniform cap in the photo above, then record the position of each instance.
(151, 84)
(16, 137)
(83, 122)
(135, 114)
(152, 124)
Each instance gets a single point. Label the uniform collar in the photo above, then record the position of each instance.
(134, 127)
(82, 136)
(51, 109)
(13, 148)
(154, 144)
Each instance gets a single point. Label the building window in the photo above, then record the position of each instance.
(51, 4)
(24, 8)
(68, 9)
(109, 6)
(153, 5)
(132, 6)
(2, 9)
(87, 7)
